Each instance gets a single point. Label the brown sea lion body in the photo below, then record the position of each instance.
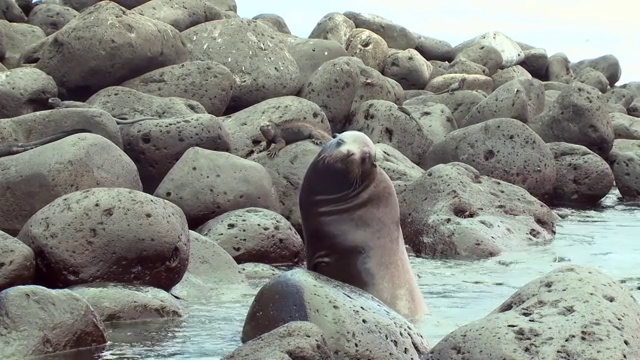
(278, 136)
(351, 224)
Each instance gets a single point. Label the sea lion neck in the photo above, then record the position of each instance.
(335, 193)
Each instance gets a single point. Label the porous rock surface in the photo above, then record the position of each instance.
(582, 177)
(293, 340)
(18, 264)
(207, 183)
(571, 312)
(174, 93)
(625, 163)
(155, 146)
(356, 325)
(128, 302)
(108, 235)
(502, 148)
(211, 272)
(452, 211)
(255, 235)
(77, 162)
(38, 321)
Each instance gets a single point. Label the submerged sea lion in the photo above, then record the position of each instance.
(351, 224)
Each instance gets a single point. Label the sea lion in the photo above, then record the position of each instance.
(351, 224)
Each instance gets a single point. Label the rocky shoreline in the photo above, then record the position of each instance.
(145, 186)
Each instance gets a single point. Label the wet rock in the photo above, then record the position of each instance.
(18, 264)
(442, 83)
(258, 271)
(503, 76)
(181, 14)
(126, 302)
(571, 312)
(608, 65)
(95, 49)
(369, 47)
(51, 17)
(582, 177)
(452, 211)
(536, 62)
(434, 49)
(342, 84)
(521, 99)
(108, 235)
(502, 148)
(255, 235)
(76, 162)
(578, 116)
(559, 68)
(206, 183)
(294, 340)
(624, 159)
(345, 314)
(274, 21)
(408, 68)
(396, 36)
(42, 124)
(509, 50)
(384, 122)
(484, 55)
(157, 145)
(37, 321)
(10, 11)
(459, 103)
(25, 90)
(287, 171)
(260, 74)
(17, 38)
(123, 102)
(625, 126)
(333, 26)
(205, 82)
(398, 167)
(211, 271)
(311, 53)
(244, 126)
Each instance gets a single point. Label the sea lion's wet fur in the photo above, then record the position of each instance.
(351, 224)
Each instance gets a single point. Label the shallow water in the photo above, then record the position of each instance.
(456, 292)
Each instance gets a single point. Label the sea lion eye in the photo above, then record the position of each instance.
(366, 157)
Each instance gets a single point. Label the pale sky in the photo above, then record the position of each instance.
(580, 28)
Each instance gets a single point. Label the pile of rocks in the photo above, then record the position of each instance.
(132, 168)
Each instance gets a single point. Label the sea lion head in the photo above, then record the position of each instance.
(343, 165)
(268, 129)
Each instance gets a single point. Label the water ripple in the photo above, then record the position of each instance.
(457, 292)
